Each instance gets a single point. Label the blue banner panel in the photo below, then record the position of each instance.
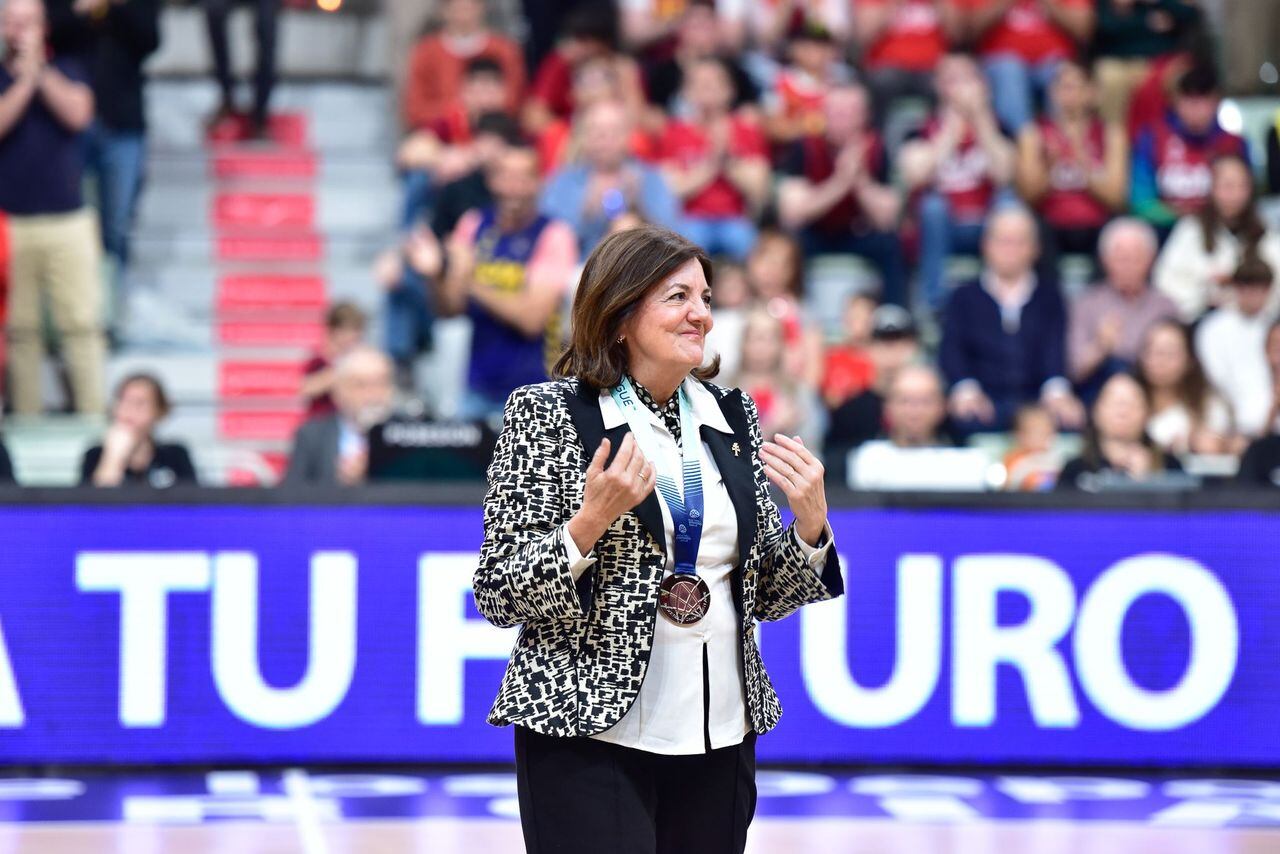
(219, 634)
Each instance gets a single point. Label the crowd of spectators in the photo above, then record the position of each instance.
(956, 155)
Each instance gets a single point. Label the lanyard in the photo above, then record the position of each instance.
(686, 509)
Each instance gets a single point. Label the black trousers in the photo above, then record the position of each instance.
(585, 796)
(266, 14)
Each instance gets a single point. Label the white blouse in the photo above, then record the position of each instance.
(668, 715)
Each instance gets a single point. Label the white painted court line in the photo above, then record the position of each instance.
(297, 787)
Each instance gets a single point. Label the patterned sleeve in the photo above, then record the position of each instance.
(786, 580)
(524, 569)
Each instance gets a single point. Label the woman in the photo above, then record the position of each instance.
(1116, 445)
(129, 453)
(635, 732)
(1186, 415)
(1205, 248)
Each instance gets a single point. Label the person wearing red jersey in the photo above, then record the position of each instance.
(1173, 158)
(794, 106)
(1020, 43)
(1072, 169)
(717, 162)
(955, 170)
(901, 42)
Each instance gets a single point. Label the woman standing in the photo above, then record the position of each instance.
(636, 686)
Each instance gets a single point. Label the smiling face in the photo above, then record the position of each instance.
(1121, 411)
(669, 328)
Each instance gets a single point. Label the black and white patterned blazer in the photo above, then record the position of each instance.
(583, 648)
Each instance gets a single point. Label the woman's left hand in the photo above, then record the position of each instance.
(797, 472)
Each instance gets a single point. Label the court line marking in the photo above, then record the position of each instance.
(297, 786)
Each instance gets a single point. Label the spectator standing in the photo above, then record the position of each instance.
(266, 15)
(608, 181)
(1205, 247)
(1173, 157)
(46, 105)
(837, 194)
(334, 448)
(120, 36)
(1130, 35)
(902, 42)
(1187, 415)
(1261, 463)
(1110, 321)
(344, 328)
(129, 453)
(1117, 446)
(438, 65)
(1003, 340)
(1231, 344)
(508, 270)
(717, 162)
(954, 171)
(1072, 169)
(894, 344)
(1021, 43)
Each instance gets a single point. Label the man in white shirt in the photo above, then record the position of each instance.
(1231, 343)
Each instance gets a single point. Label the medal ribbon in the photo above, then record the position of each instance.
(686, 508)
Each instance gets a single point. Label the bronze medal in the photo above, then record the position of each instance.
(684, 598)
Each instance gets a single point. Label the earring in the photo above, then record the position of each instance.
(620, 337)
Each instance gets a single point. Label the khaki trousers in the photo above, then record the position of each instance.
(1117, 79)
(57, 257)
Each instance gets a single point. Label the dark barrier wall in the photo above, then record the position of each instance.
(209, 627)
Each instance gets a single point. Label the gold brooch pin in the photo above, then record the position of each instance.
(736, 448)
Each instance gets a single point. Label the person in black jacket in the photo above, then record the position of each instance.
(1117, 448)
(1004, 336)
(113, 38)
(6, 467)
(129, 453)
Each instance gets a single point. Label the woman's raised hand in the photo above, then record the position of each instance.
(797, 472)
(611, 491)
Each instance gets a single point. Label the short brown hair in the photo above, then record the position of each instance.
(621, 270)
(345, 315)
(152, 382)
(1253, 271)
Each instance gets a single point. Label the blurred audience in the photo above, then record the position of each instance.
(1003, 340)
(847, 367)
(781, 397)
(1032, 463)
(1187, 415)
(1129, 35)
(793, 104)
(130, 454)
(1206, 247)
(1172, 159)
(508, 270)
(46, 105)
(894, 344)
(438, 68)
(1109, 322)
(595, 81)
(334, 448)
(344, 328)
(775, 276)
(607, 180)
(1231, 343)
(265, 30)
(701, 35)
(1117, 449)
(1260, 465)
(954, 171)
(1021, 43)
(729, 309)
(6, 467)
(902, 42)
(1072, 169)
(717, 163)
(837, 194)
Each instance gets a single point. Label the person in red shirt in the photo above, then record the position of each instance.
(437, 66)
(955, 170)
(847, 368)
(837, 195)
(590, 33)
(717, 162)
(1072, 169)
(595, 81)
(794, 107)
(901, 42)
(344, 328)
(1020, 43)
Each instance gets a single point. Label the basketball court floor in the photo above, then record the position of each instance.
(310, 812)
